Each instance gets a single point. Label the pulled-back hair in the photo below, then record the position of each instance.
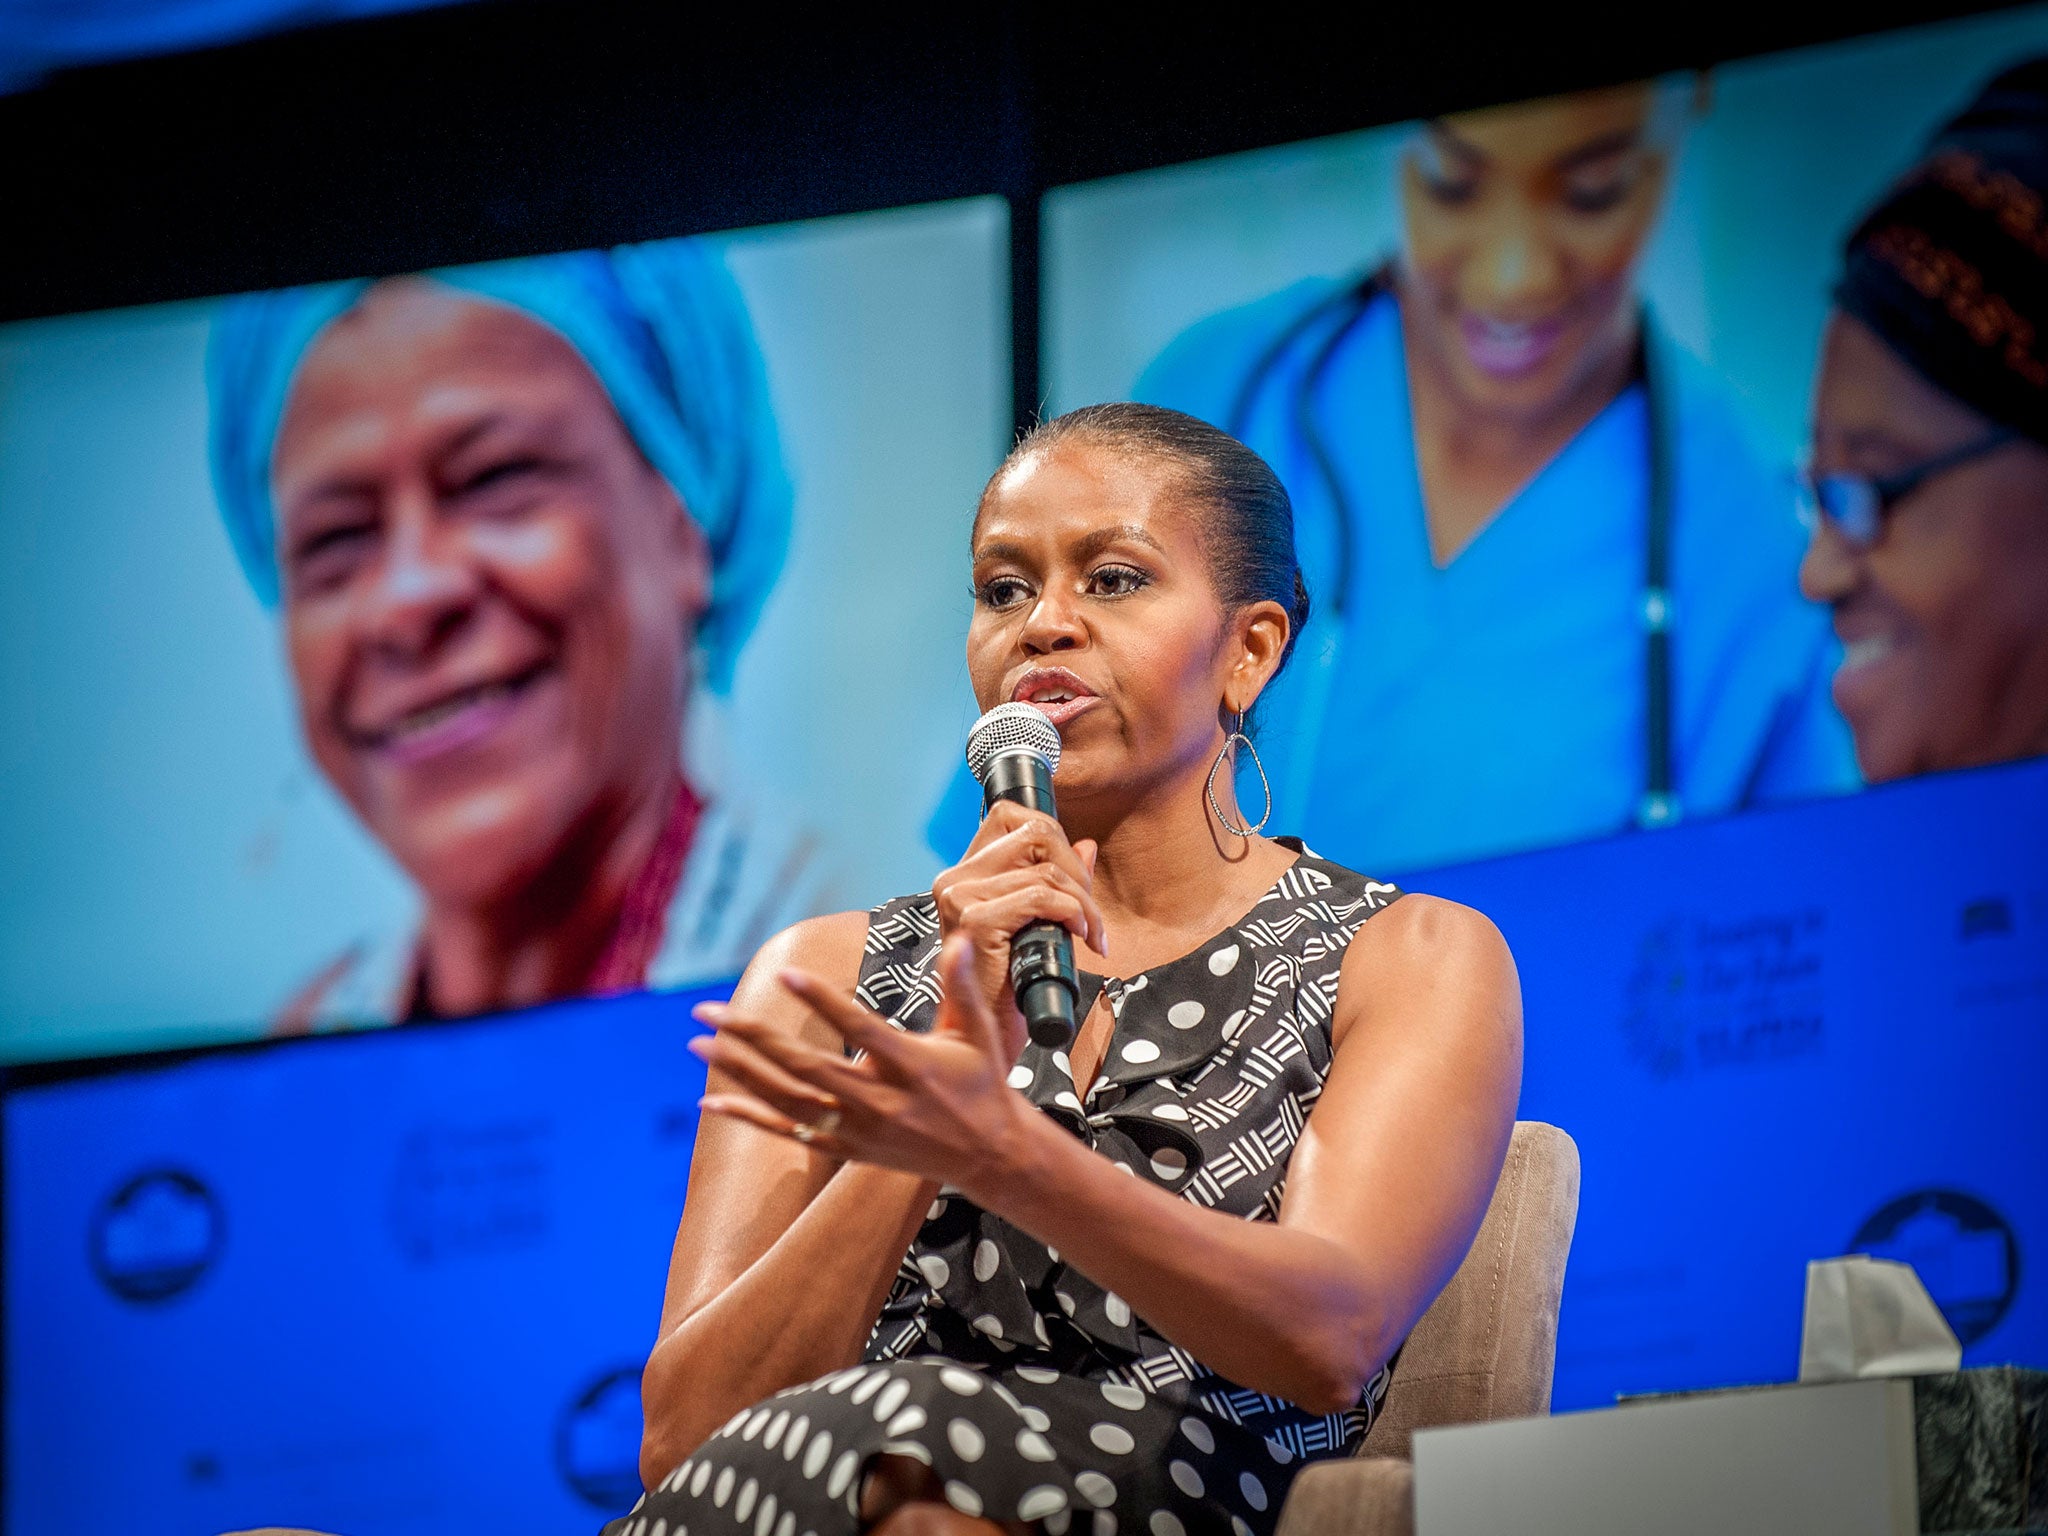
(1246, 521)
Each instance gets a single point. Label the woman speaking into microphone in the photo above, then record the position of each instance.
(934, 1276)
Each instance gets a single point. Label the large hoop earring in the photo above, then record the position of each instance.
(1265, 785)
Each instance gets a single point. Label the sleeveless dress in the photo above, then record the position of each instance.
(1032, 1392)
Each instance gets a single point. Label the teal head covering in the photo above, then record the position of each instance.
(664, 329)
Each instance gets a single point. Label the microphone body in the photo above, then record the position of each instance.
(1014, 760)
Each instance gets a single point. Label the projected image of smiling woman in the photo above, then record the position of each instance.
(1468, 431)
(510, 517)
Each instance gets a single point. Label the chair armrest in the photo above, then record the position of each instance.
(1357, 1496)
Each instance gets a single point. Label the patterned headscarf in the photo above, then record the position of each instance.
(664, 329)
(1951, 269)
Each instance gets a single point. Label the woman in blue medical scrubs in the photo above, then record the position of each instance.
(1555, 587)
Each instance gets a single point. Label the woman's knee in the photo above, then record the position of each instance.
(903, 1497)
(932, 1517)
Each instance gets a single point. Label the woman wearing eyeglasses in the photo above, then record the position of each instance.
(1930, 468)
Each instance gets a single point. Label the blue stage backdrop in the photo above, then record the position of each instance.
(368, 1282)
(398, 1282)
(1785, 1037)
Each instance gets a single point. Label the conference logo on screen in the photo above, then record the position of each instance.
(1965, 1253)
(1707, 992)
(471, 1191)
(597, 1441)
(155, 1235)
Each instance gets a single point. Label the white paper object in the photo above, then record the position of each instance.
(1830, 1458)
(1872, 1317)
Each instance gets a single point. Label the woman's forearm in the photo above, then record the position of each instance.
(1271, 1308)
(804, 1308)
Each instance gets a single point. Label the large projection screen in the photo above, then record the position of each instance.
(202, 842)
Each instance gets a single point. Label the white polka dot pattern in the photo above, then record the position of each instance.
(1095, 1488)
(1113, 1438)
(963, 1498)
(842, 1474)
(967, 1440)
(1020, 1436)
(868, 1388)
(891, 1398)
(1039, 1502)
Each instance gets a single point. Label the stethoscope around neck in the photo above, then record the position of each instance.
(1338, 315)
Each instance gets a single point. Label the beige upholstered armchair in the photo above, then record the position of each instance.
(1484, 1349)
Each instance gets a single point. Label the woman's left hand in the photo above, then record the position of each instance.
(938, 1105)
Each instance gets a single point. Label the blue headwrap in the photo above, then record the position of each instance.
(665, 331)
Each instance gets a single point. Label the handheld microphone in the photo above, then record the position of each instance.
(1014, 750)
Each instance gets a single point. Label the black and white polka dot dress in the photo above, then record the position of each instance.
(1033, 1393)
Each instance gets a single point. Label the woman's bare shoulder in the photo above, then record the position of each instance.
(1423, 949)
(828, 945)
(1421, 927)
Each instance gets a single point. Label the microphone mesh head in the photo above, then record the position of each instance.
(1012, 728)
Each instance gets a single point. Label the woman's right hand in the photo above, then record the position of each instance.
(1019, 869)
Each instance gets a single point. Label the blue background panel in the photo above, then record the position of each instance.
(384, 1282)
(1765, 1031)
(413, 1273)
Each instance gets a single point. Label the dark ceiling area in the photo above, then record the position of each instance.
(504, 128)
